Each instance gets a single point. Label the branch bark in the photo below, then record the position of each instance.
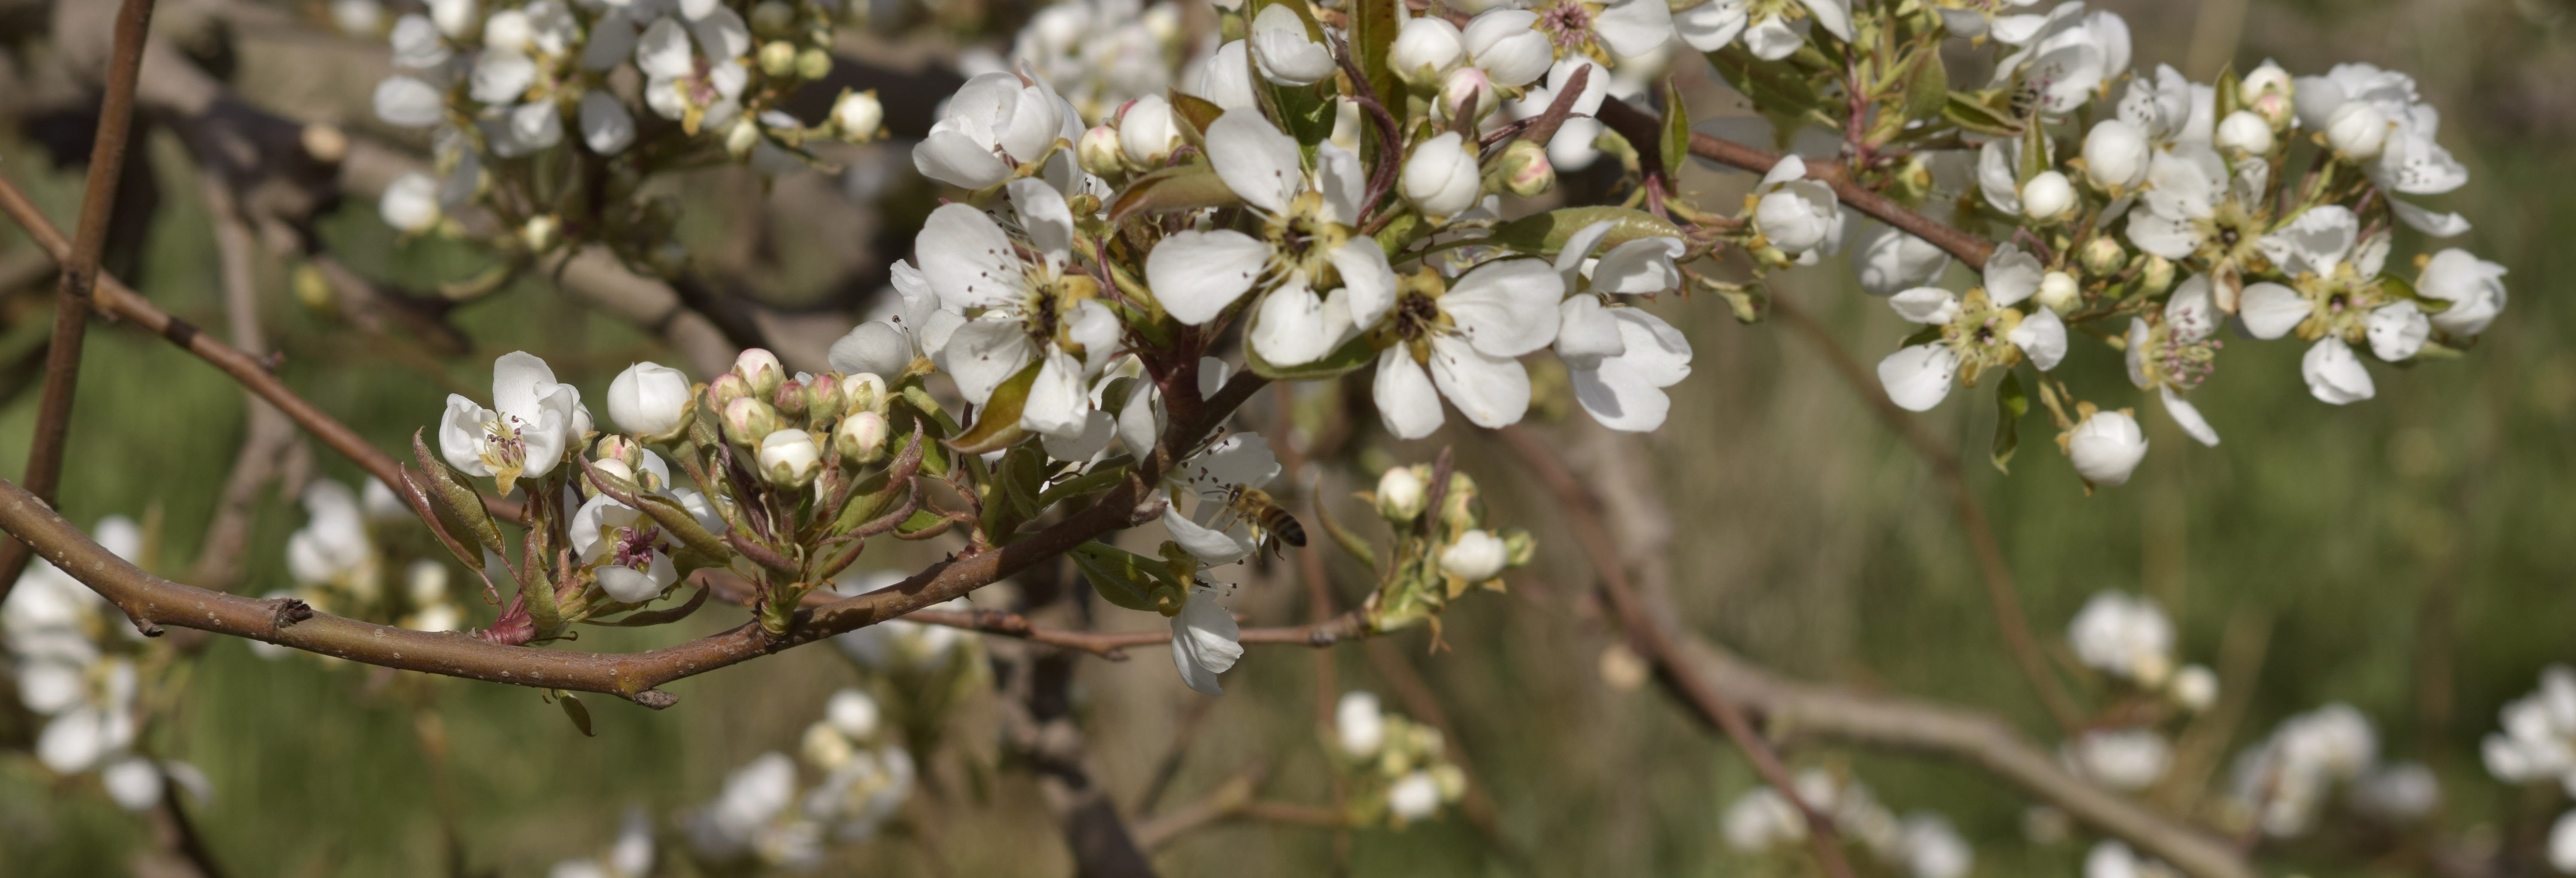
(80, 273)
(152, 601)
(1642, 129)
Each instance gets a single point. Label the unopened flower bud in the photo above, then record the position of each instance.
(410, 204)
(2243, 130)
(1148, 132)
(858, 115)
(790, 458)
(1400, 494)
(1098, 151)
(747, 421)
(312, 290)
(814, 64)
(2057, 291)
(860, 438)
(2047, 197)
(2157, 276)
(2195, 687)
(2102, 256)
(1441, 178)
(2357, 130)
(1526, 170)
(790, 399)
(2115, 154)
(325, 143)
(1459, 507)
(778, 58)
(1425, 50)
(1519, 547)
(725, 389)
(772, 18)
(1477, 556)
(741, 136)
(863, 392)
(613, 468)
(507, 31)
(650, 401)
(622, 449)
(2107, 447)
(760, 367)
(823, 399)
(2270, 92)
(1467, 92)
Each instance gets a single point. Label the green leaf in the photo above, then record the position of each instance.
(1969, 113)
(1196, 112)
(1677, 130)
(2405, 289)
(1544, 234)
(2228, 100)
(1103, 477)
(457, 497)
(1776, 86)
(1188, 187)
(1122, 577)
(1343, 537)
(918, 522)
(1927, 85)
(997, 426)
(573, 708)
(2011, 402)
(1374, 25)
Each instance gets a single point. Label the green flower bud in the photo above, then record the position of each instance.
(1526, 170)
(1520, 547)
(747, 421)
(823, 398)
(2103, 257)
(814, 64)
(2158, 276)
(1400, 495)
(777, 58)
(790, 400)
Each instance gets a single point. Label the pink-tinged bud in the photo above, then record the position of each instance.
(760, 367)
(725, 389)
(1469, 93)
(864, 392)
(1099, 152)
(790, 400)
(748, 420)
(861, 438)
(1526, 170)
(823, 399)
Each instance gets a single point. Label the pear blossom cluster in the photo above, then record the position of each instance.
(2536, 745)
(81, 667)
(1921, 844)
(2173, 214)
(522, 98)
(2129, 643)
(1395, 764)
(770, 815)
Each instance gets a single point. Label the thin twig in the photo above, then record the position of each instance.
(1944, 461)
(80, 273)
(1647, 635)
(1642, 129)
(115, 298)
(267, 435)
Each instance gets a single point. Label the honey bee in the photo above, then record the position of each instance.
(1275, 525)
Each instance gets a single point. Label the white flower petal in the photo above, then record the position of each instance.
(1918, 378)
(984, 353)
(1196, 275)
(2398, 330)
(2042, 338)
(1507, 307)
(968, 261)
(1058, 404)
(1406, 401)
(2188, 416)
(1205, 641)
(1492, 391)
(1256, 161)
(1931, 306)
(2335, 375)
(2271, 310)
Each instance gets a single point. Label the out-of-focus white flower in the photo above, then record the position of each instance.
(2124, 636)
(2106, 447)
(2195, 687)
(1205, 641)
(1761, 819)
(357, 18)
(410, 203)
(2398, 793)
(2562, 843)
(2285, 782)
(1225, 78)
(1414, 797)
(1889, 260)
(2123, 759)
(1930, 848)
(526, 431)
(896, 646)
(606, 127)
(1358, 726)
(408, 102)
(1800, 216)
(2245, 132)
(455, 18)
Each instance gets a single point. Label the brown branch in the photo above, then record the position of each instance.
(1991, 564)
(1650, 639)
(267, 434)
(152, 601)
(1643, 129)
(1227, 800)
(118, 300)
(80, 273)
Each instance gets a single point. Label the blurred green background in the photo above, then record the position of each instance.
(2408, 555)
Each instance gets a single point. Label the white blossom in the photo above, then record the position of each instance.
(1798, 215)
(1205, 640)
(527, 430)
(2106, 447)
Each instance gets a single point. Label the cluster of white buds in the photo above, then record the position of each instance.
(629, 87)
(766, 816)
(2283, 786)
(1396, 764)
(1439, 552)
(2129, 639)
(1920, 845)
(81, 666)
